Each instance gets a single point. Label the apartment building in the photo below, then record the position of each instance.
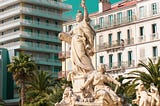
(32, 27)
(126, 32)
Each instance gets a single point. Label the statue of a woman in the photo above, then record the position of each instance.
(81, 39)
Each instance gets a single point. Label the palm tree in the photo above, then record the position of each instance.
(44, 90)
(59, 86)
(22, 69)
(39, 89)
(151, 76)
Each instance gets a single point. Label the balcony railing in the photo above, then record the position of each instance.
(50, 3)
(129, 41)
(9, 24)
(142, 38)
(10, 36)
(47, 61)
(114, 44)
(9, 12)
(63, 55)
(36, 36)
(43, 25)
(44, 13)
(120, 66)
(7, 2)
(31, 23)
(33, 46)
(11, 44)
(43, 37)
(40, 47)
(115, 23)
(154, 36)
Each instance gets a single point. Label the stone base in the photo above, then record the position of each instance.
(90, 104)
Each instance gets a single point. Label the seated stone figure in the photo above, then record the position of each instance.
(155, 101)
(102, 92)
(143, 99)
(68, 98)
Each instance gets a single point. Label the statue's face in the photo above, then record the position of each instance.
(101, 68)
(79, 17)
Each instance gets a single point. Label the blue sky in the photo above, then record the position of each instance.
(92, 6)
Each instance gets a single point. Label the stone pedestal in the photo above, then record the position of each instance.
(78, 81)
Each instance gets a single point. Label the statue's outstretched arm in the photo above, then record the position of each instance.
(86, 17)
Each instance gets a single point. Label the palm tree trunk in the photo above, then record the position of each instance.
(22, 93)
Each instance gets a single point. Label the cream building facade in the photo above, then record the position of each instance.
(126, 32)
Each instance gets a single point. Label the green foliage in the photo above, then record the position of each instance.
(2, 103)
(22, 68)
(39, 89)
(151, 76)
(126, 91)
(44, 90)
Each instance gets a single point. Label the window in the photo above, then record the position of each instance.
(56, 56)
(110, 61)
(110, 20)
(119, 59)
(101, 40)
(129, 58)
(47, 45)
(38, 20)
(154, 28)
(129, 15)
(154, 9)
(128, 36)
(110, 39)
(119, 18)
(47, 33)
(155, 51)
(101, 59)
(141, 31)
(70, 27)
(101, 21)
(141, 12)
(119, 37)
(38, 32)
(47, 22)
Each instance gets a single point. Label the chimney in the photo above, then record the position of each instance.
(104, 5)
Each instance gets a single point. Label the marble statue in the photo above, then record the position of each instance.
(102, 92)
(68, 98)
(155, 97)
(81, 40)
(144, 98)
(89, 87)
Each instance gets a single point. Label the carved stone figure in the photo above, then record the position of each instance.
(101, 91)
(143, 99)
(81, 39)
(155, 101)
(88, 85)
(68, 98)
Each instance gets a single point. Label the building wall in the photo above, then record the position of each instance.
(134, 18)
(6, 82)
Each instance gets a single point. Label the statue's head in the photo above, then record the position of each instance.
(79, 16)
(102, 68)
